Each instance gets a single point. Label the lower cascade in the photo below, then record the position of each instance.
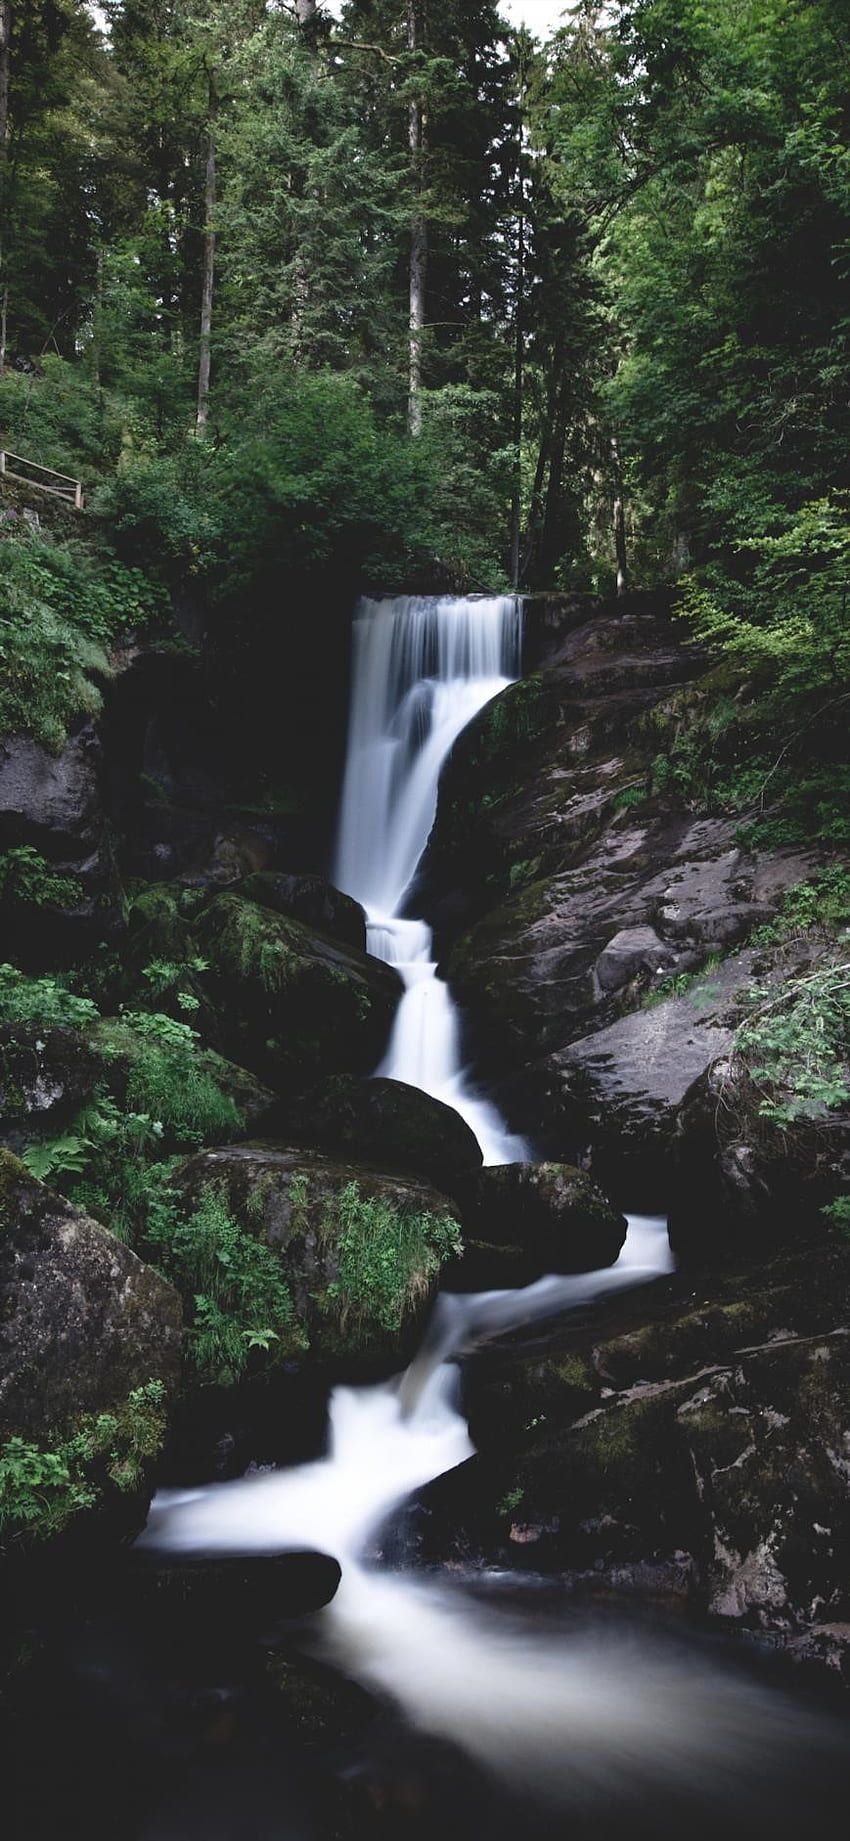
(423, 667)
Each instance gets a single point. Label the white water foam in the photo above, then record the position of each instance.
(423, 667)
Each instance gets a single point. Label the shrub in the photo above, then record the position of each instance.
(43, 1001)
(26, 877)
(388, 1258)
(234, 1290)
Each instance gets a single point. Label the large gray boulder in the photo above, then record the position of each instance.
(51, 801)
(390, 1124)
(83, 1322)
(293, 1002)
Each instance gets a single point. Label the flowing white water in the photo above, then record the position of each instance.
(423, 666)
(578, 1719)
(573, 1717)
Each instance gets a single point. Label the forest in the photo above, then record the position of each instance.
(424, 916)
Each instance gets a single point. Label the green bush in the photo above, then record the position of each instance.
(388, 1258)
(61, 605)
(26, 877)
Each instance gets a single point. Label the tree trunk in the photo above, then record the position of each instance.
(536, 536)
(519, 372)
(5, 67)
(5, 75)
(418, 247)
(209, 265)
(619, 522)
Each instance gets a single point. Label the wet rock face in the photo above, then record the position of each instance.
(699, 1447)
(522, 1220)
(82, 1320)
(574, 897)
(363, 1268)
(312, 900)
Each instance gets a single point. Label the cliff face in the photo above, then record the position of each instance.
(584, 920)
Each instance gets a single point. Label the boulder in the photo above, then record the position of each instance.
(362, 1250)
(689, 1441)
(312, 900)
(51, 801)
(46, 1075)
(739, 1185)
(292, 1002)
(82, 1322)
(532, 1218)
(387, 1123)
(633, 952)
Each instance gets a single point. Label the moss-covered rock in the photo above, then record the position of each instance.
(46, 1075)
(741, 1185)
(361, 1251)
(89, 1356)
(696, 1447)
(293, 1002)
(389, 1124)
(552, 1213)
(83, 1320)
(312, 900)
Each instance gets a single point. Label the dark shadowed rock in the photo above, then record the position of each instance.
(533, 1218)
(692, 1440)
(312, 900)
(82, 1321)
(292, 1002)
(388, 1123)
(739, 1185)
(51, 801)
(362, 1250)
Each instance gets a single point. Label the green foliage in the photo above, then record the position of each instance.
(61, 605)
(796, 1045)
(388, 1258)
(698, 986)
(43, 1001)
(838, 1212)
(821, 906)
(43, 1487)
(26, 877)
(235, 1291)
(171, 1078)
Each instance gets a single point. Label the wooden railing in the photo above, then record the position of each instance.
(59, 485)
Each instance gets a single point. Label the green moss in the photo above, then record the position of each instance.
(254, 943)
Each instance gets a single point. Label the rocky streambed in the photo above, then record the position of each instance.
(679, 1452)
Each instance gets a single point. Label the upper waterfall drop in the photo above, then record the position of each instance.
(423, 667)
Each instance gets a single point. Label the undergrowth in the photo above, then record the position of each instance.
(43, 1486)
(387, 1258)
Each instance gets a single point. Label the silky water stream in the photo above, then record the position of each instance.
(605, 1726)
(504, 1707)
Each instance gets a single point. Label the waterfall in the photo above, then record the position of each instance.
(579, 1717)
(423, 667)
